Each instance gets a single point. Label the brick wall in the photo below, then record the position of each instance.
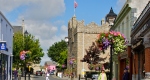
(147, 59)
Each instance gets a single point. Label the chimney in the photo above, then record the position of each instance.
(102, 21)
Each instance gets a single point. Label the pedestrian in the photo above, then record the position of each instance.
(47, 76)
(19, 74)
(102, 75)
(126, 74)
(15, 74)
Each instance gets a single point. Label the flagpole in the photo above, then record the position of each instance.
(74, 8)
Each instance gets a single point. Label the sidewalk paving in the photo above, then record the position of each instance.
(22, 78)
(65, 78)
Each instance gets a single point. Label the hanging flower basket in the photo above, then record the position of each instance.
(72, 61)
(24, 54)
(115, 38)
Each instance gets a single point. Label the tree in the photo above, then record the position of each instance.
(63, 57)
(58, 52)
(29, 43)
(92, 56)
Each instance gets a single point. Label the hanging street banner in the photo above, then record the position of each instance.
(2, 45)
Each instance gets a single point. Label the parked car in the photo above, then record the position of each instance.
(39, 73)
(52, 72)
(95, 76)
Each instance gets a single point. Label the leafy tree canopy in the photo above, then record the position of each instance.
(58, 52)
(27, 43)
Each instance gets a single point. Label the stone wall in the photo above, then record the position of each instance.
(80, 38)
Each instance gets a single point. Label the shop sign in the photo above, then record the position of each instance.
(2, 45)
(137, 44)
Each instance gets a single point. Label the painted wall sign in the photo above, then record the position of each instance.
(137, 44)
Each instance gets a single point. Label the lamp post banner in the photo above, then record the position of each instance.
(2, 45)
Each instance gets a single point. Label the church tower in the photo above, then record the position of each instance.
(110, 17)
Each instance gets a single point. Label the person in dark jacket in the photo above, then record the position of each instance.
(126, 74)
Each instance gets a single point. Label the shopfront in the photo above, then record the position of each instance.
(3, 66)
(140, 41)
(138, 53)
(125, 61)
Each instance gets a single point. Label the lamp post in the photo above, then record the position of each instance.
(63, 67)
(26, 34)
(111, 50)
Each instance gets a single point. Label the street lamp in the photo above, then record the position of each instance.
(111, 50)
(26, 34)
(66, 39)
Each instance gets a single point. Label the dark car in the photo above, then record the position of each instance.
(39, 73)
(52, 72)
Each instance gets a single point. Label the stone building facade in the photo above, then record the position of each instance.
(80, 38)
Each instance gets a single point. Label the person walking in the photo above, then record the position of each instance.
(19, 74)
(15, 74)
(102, 75)
(126, 74)
(47, 76)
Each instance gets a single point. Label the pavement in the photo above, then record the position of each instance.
(22, 78)
(54, 76)
(65, 78)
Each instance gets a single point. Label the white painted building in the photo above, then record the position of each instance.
(124, 23)
(6, 34)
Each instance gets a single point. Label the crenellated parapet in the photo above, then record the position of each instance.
(91, 28)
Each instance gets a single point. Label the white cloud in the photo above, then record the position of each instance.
(37, 15)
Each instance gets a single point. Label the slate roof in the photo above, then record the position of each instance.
(111, 13)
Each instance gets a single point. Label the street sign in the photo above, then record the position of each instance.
(2, 45)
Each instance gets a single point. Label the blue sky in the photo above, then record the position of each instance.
(47, 20)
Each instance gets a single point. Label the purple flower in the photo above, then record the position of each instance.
(63, 66)
(106, 43)
(22, 57)
(71, 62)
(97, 68)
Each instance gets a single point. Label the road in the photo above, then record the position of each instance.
(51, 77)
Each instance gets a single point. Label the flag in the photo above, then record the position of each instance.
(75, 4)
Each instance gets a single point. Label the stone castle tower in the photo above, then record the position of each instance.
(81, 37)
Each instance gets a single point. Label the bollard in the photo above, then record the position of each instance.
(29, 76)
(79, 76)
(85, 77)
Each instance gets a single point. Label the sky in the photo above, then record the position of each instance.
(47, 20)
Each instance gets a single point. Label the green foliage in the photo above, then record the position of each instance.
(27, 43)
(58, 52)
(63, 57)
